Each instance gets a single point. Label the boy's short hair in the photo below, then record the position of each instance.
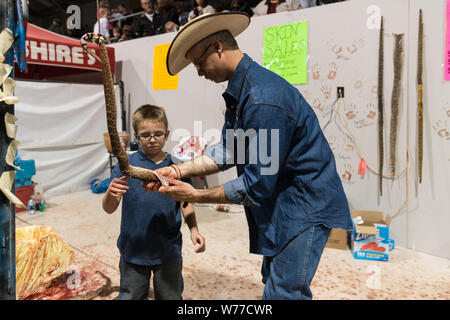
(149, 112)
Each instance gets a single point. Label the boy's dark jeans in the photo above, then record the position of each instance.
(135, 280)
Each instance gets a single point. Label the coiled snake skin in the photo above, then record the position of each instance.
(145, 175)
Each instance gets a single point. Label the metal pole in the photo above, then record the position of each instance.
(7, 212)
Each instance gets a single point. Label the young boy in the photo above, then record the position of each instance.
(150, 238)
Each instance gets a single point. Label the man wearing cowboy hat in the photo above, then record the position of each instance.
(291, 209)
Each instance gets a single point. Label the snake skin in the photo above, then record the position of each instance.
(145, 175)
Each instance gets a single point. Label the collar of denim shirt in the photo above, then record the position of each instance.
(233, 91)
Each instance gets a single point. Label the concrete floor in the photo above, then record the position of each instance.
(226, 270)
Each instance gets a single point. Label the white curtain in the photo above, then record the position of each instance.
(61, 127)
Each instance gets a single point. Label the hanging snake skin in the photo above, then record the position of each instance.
(420, 96)
(396, 91)
(145, 175)
(380, 103)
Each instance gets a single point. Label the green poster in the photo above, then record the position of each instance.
(285, 51)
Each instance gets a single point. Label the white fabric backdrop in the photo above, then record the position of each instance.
(61, 127)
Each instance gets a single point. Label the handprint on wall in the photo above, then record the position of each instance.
(442, 129)
(371, 111)
(359, 82)
(332, 142)
(333, 70)
(317, 104)
(348, 144)
(316, 71)
(326, 90)
(350, 111)
(306, 94)
(347, 173)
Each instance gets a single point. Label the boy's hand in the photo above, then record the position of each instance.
(166, 172)
(118, 187)
(198, 240)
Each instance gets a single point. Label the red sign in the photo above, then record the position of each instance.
(48, 48)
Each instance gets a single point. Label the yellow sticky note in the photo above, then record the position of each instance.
(162, 80)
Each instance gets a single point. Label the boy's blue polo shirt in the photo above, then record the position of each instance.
(150, 225)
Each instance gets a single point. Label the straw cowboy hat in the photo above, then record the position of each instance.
(198, 29)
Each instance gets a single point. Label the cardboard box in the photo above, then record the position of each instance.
(370, 235)
(337, 239)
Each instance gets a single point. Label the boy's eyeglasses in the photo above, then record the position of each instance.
(146, 137)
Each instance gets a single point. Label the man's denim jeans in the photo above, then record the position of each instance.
(135, 280)
(288, 274)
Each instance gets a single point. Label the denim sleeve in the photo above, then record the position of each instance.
(265, 154)
(220, 155)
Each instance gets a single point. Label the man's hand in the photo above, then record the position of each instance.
(198, 240)
(118, 187)
(179, 191)
(166, 172)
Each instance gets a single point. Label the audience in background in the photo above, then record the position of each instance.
(104, 5)
(274, 6)
(241, 5)
(200, 7)
(127, 33)
(168, 11)
(122, 9)
(149, 22)
(183, 8)
(117, 33)
(57, 27)
(160, 16)
(171, 26)
(222, 5)
(101, 26)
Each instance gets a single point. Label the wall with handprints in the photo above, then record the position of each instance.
(343, 52)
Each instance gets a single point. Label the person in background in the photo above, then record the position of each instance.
(150, 239)
(104, 5)
(274, 6)
(122, 9)
(149, 22)
(168, 11)
(183, 8)
(101, 26)
(57, 27)
(200, 7)
(222, 5)
(171, 26)
(127, 33)
(242, 6)
(116, 35)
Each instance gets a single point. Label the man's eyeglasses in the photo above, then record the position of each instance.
(147, 137)
(198, 63)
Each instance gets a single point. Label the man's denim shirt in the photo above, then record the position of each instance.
(287, 180)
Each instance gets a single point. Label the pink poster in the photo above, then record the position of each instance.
(447, 43)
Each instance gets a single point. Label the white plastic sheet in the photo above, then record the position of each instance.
(61, 127)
